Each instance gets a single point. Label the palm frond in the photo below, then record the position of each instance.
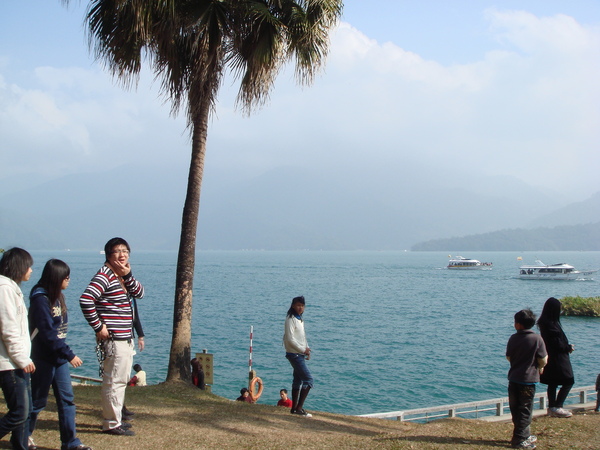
(190, 42)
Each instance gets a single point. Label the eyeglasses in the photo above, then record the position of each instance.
(122, 252)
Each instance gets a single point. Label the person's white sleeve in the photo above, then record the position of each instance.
(14, 337)
(290, 339)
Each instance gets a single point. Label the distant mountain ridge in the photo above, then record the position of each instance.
(561, 238)
(374, 208)
(587, 211)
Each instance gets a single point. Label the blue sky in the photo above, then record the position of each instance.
(505, 88)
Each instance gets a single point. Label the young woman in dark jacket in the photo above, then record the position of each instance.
(558, 372)
(48, 327)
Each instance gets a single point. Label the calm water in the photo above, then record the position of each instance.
(389, 330)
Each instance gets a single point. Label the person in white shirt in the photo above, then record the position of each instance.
(15, 347)
(297, 353)
(139, 379)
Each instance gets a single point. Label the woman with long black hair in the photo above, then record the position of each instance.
(48, 323)
(558, 372)
(297, 352)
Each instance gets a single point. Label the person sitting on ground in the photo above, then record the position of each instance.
(285, 401)
(244, 396)
(197, 374)
(139, 379)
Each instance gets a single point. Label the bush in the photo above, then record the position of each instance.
(581, 306)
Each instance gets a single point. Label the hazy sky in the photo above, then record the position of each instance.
(473, 86)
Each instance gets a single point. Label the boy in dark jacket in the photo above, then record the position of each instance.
(527, 355)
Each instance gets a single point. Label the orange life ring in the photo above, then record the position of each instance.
(253, 383)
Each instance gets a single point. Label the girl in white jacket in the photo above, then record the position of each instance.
(297, 352)
(15, 346)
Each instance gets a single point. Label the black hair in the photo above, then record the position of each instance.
(283, 390)
(137, 367)
(243, 391)
(551, 311)
(54, 273)
(15, 263)
(291, 312)
(108, 247)
(525, 317)
(550, 317)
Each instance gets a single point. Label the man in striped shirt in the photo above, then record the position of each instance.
(106, 305)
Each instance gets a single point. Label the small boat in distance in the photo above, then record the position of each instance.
(562, 271)
(461, 263)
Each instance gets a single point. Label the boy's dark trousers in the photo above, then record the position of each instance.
(520, 401)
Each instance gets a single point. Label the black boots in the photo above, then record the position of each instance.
(298, 406)
(295, 398)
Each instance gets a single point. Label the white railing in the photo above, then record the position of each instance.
(85, 380)
(499, 406)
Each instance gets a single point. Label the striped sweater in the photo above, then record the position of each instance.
(105, 302)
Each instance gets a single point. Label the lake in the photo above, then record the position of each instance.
(388, 330)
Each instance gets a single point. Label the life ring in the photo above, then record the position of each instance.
(253, 383)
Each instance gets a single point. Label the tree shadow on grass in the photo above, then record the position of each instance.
(441, 440)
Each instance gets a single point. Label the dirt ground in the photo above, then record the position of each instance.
(182, 416)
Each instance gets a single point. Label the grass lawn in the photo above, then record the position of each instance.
(181, 416)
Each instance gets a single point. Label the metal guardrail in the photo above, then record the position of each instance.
(85, 380)
(482, 408)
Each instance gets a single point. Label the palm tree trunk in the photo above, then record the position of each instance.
(180, 356)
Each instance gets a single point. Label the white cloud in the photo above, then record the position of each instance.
(77, 120)
(556, 34)
(528, 108)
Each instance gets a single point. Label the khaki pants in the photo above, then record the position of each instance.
(117, 369)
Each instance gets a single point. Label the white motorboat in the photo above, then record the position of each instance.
(461, 263)
(562, 271)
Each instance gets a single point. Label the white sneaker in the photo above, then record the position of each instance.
(302, 413)
(559, 412)
(531, 439)
(524, 444)
(30, 443)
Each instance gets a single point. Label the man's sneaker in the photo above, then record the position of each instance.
(559, 412)
(301, 412)
(531, 439)
(30, 444)
(126, 414)
(125, 411)
(524, 444)
(119, 431)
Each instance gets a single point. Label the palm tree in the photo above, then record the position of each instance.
(190, 44)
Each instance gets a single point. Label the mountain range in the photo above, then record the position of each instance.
(287, 208)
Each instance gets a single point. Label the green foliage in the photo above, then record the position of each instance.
(581, 306)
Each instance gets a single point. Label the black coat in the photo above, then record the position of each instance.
(559, 370)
